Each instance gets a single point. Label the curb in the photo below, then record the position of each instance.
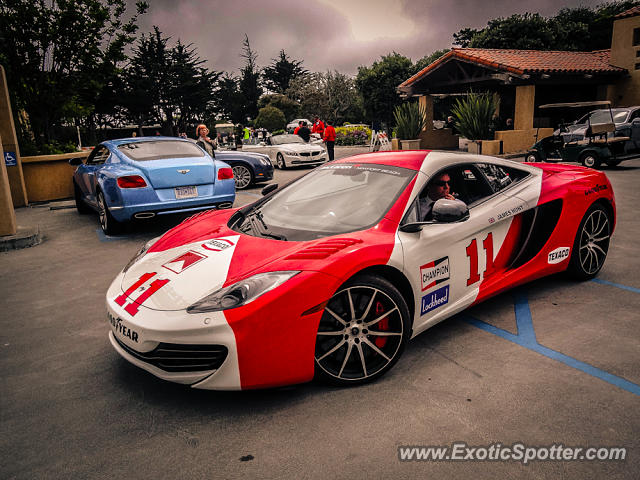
(25, 237)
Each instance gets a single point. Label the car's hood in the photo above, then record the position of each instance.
(203, 255)
(300, 147)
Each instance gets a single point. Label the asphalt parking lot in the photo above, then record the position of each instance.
(553, 362)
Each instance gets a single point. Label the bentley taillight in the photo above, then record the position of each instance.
(131, 181)
(225, 173)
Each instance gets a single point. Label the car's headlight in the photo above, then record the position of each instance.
(287, 152)
(241, 293)
(141, 253)
(265, 161)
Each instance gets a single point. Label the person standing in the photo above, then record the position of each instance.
(204, 141)
(297, 129)
(318, 127)
(304, 132)
(329, 139)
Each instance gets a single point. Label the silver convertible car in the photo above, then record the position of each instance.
(290, 150)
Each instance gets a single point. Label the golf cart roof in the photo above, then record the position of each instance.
(596, 103)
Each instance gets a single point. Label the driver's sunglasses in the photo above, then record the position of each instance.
(441, 183)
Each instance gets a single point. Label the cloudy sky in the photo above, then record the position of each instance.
(328, 34)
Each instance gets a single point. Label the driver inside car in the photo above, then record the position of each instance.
(439, 187)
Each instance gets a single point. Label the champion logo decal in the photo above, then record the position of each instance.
(435, 272)
(184, 261)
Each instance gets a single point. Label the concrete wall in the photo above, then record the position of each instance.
(442, 139)
(49, 177)
(623, 54)
(521, 140)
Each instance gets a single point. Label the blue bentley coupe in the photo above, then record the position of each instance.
(134, 178)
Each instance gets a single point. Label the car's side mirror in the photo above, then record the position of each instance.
(75, 161)
(262, 144)
(448, 211)
(269, 188)
(414, 227)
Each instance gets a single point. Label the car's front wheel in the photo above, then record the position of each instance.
(81, 206)
(532, 157)
(280, 162)
(109, 225)
(242, 176)
(591, 244)
(590, 160)
(362, 333)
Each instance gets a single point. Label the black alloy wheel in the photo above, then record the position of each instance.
(362, 333)
(109, 225)
(242, 176)
(591, 244)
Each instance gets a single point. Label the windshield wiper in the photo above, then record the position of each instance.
(261, 228)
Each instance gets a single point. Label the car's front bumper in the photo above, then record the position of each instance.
(269, 342)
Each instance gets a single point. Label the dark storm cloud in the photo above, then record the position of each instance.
(321, 35)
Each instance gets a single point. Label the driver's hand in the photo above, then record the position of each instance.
(448, 196)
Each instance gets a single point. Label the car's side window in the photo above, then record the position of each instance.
(98, 156)
(500, 177)
(462, 182)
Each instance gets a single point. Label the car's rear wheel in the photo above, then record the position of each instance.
(280, 162)
(81, 206)
(242, 176)
(590, 160)
(109, 225)
(591, 244)
(362, 333)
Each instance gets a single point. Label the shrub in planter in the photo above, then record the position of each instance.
(474, 116)
(410, 119)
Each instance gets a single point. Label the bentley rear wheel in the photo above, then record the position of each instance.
(362, 333)
(109, 225)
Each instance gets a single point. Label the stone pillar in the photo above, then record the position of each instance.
(8, 224)
(525, 97)
(10, 146)
(426, 102)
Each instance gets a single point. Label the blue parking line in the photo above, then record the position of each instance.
(106, 238)
(617, 285)
(526, 338)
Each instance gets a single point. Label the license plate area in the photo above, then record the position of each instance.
(186, 192)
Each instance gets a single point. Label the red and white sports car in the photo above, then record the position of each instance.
(331, 275)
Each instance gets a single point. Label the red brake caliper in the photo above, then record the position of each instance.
(382, 326)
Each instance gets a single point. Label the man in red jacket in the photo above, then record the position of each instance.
(329, 139)
(318, 126)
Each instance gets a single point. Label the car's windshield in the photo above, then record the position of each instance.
(603, 116)
(159, 149)
(283, 139)
(333, 199)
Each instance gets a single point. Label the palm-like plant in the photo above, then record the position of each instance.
(411, 119)
(474, 115)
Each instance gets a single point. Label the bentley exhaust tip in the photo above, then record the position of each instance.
(144, 215)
